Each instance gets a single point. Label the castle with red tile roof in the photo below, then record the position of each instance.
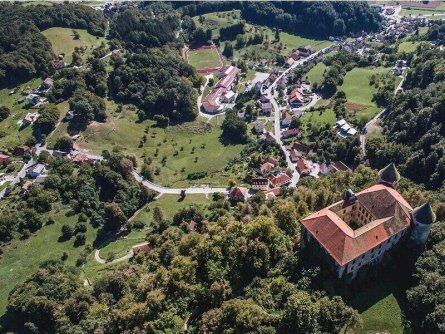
(362, 227)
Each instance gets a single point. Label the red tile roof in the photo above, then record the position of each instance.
(265, 167)
(238, 192)
(303, 166)
(280, 179)
(143, 247)
(290, 133)
(391, 214)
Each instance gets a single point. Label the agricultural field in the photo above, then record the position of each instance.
(176, 151)
(315, 75)
(17, 263)
(62, 40)
(359, 92)
(203, 58)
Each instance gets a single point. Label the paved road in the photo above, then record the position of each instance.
(177, 191)
(277, 114)
(102, 261)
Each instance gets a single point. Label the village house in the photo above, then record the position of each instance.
(4, 159)
(289, 62)
(222, 92)
(268, 137)
(272, 193)
(238, 194)
(339, 166)
(305, 51)
(21, 150)
(81, 158)
(33, 99)
(30, 118)
(359, 230)
(296, 98)
(266, 168)
(141, 248)
(25, 187)
(46, 84)
(344, 129)
(264, 99)
(295, 56)
(304, 149)
(36, 170)
(259, 127)
(280, 180)
(266, 108)
(303, 167)
(263, 63)
(282, 82)
(273, 161)
(290, 133)
(260, 183)
(286, 118)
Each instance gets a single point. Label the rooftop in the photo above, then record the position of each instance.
(387, 213)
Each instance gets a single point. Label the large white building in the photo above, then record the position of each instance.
(362, 227)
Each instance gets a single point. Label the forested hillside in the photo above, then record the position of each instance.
(314, 18)
(414, 124)
(26, 53)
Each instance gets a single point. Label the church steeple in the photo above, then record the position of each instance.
(389, 175)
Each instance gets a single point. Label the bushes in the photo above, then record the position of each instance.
(196, 175)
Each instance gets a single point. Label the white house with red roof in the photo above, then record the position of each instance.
(361, 228)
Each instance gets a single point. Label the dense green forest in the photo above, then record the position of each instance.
(26, 53)
(314, 18)
(414, 134)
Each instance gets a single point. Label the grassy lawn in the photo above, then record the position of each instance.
(62, 40)
(215, 21)
(204, 58)
(380, 308)
(317, 119)
(21, 258)
(359, 92)
(315, 75)
(408, 47)
(188, 147)
(170, 204)
(295, 41)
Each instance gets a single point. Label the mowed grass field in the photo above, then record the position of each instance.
(188, 148)
(203, 58)
(62, 40)
(170, 204)
(408, 47)
(315, 75)
(359, 92)
(21, 258)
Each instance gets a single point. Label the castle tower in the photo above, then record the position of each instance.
(389, 176)
(423, 218)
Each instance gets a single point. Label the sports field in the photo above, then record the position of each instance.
(204, 58)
